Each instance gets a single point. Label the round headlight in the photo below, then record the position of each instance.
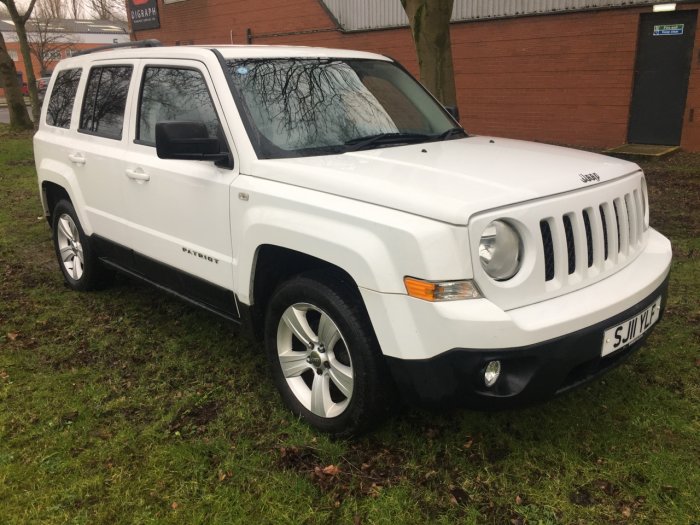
(499, 250)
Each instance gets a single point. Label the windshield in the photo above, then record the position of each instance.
(297, 107)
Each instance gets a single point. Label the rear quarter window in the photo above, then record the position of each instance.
(104, 102)
(60, 108)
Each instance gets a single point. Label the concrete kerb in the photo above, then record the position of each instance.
(3, 102)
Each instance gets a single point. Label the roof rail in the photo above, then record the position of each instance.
(152, 42)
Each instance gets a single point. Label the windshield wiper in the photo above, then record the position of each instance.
(385, 138)
(450, 133)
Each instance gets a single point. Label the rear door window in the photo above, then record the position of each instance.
(60, 108)
(104, 102)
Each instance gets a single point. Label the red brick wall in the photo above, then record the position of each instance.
(21, 68)
(563, 78)
(690, 140)
(19, 64)
(557, 78)
(560, 78)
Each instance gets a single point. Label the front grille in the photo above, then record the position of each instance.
(571, 240)
(588, 238)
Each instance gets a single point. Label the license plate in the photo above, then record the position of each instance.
(629, 331)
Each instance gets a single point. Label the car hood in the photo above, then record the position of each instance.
(450, 180)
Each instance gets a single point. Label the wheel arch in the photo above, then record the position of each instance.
(57, 181)
(51, 194)
(274, 264)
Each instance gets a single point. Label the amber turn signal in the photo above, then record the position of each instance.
(441, 290)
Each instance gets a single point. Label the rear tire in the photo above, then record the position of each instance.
(80, 267)
(324, 356)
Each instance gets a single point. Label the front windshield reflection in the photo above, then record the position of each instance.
(297, 107)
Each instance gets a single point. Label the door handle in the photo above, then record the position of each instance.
(138, 174)
(77, 158)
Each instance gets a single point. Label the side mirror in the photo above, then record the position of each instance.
(187, 141)
(454, 111)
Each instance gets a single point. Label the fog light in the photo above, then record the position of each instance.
(493, 370)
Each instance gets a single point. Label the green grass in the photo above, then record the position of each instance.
(127, 406)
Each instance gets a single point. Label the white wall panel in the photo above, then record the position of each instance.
(356, 15)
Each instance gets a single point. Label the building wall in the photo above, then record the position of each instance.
(690, 139)
(562, 78)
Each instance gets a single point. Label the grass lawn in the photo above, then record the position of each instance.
(128, 406)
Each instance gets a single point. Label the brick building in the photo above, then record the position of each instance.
(581, 72)
(57, 39)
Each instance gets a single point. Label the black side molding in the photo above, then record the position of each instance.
(183, 285)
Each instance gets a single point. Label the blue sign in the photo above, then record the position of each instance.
(669, 30)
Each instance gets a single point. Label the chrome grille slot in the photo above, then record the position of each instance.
(623, 225)
(616, 207)
(613, 230)
(546, 232)
(631, 218)
(639, 207)
(570, 245)
(589, 237)
(605, 231)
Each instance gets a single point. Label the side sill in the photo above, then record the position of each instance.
(187, 287)
(183, 297)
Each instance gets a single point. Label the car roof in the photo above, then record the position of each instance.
(254, 51)
(228, 52)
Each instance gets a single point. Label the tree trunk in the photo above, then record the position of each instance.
(430, 27)
(19, 118)
(19, 22)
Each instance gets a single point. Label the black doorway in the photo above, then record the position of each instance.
(664, 53)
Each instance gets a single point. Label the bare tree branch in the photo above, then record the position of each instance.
(50, 9)
(28, 13)
(107, 9)
(75, 9)
(46, 44)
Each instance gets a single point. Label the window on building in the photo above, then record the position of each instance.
(52, 55)
(60, 105)
(13, 54)
(104, 102)
(169, 93)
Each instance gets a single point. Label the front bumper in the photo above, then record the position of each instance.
(528, 374)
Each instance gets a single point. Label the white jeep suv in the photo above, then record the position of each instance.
(326, 198)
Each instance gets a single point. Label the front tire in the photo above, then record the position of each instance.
(324, 356)
(79, 264)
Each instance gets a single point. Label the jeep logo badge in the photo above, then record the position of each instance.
(589, 177)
